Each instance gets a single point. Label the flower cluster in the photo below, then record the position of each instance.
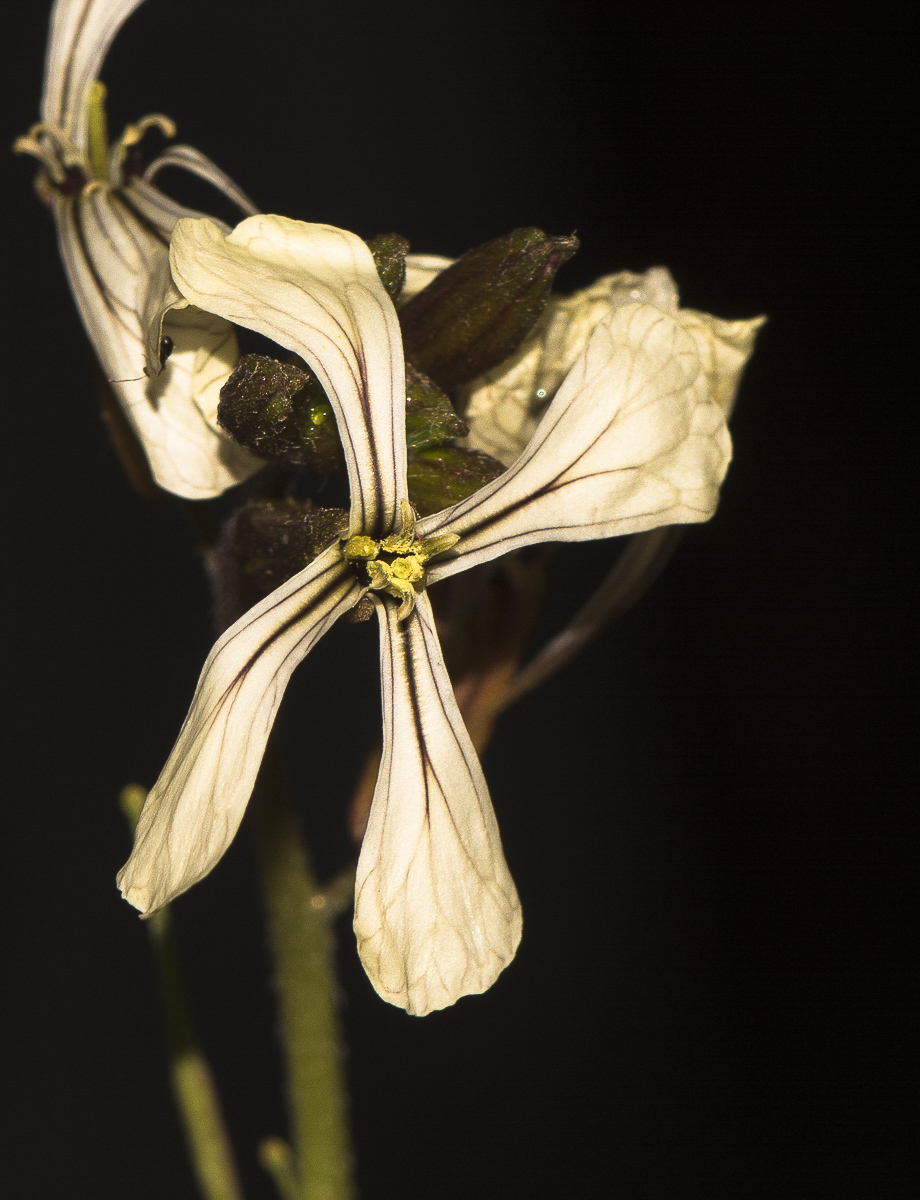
(610, 419)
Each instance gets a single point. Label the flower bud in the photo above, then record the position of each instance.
(439, 476)
(478, 311)
(265, 542)
(389, 252)
(279, 410)
(430, 416)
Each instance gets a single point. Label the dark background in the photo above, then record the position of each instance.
(708, 817)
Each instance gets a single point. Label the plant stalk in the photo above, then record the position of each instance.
(302, 944)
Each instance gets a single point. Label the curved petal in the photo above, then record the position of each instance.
(632, 440)
(151, 207)
(81, 33)
(504, 406)
(190, 159)
(437, 915)
(111, 250)
(195, 807)
(314, 289)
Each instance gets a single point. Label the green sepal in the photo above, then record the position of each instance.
(430, 416)
(443, 475)
(477, 312)
(279, 410)
(389, 251)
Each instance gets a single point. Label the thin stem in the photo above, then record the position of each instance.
(629, 578)
(301, 940)
(192, 1082)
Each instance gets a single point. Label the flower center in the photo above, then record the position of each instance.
(396, 565)
(67, 167)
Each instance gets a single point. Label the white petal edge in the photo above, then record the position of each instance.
(194, 809)
(81, 33)
(314, 289)
(437, 915)
(724, 348)
(110, 253)
(504, 406)
(632, 440)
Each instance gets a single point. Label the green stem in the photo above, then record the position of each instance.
(301, 939)
(192, 1081)
(193, 1084)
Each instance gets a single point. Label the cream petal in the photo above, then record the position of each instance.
(81, 33)
(149, 205)
(724, 349)
(314, 289)
(504, 406)
(204, 353)
(190, 159)
(111, 249)
(437, 915)
(632, 440)
(195, 808)
(420, 270)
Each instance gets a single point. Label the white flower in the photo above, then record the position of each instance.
(633, 439)
(504, 406)
(113, 229)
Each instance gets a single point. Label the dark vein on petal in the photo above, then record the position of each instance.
(70, 62)
(142, 219)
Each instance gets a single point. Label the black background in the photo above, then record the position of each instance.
(708, 817)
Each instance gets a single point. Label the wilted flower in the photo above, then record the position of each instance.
(634, 438)
(504, 406)
(113, 229)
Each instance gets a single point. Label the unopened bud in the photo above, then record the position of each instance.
(443, 475)
(477, 312)
(271, 540)
(389, 251)
(279, 410)
(430, 416)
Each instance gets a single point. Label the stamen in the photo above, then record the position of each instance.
(396, 565)
(53, 149)
(132, 134)
(399, 543)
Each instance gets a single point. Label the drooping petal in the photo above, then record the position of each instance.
(112, 244)
(633, 439)
(81, 33)
(437, 915)
(195, 807)
(314, 289)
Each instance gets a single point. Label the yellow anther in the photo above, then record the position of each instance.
(360, 549)
(397, 564)
(399, 543)
(409, 568)
(434, 546)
